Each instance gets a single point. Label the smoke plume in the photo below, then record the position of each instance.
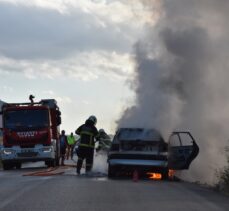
(100, 163)
(182, 77)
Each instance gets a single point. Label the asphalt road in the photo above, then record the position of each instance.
(70, 192)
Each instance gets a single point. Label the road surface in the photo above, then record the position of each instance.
(70, 192)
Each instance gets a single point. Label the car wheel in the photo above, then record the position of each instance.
(165, 174)
(111, 172)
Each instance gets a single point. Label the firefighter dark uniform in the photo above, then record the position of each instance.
(88, 133)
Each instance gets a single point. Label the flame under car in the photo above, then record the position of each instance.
(144, 150)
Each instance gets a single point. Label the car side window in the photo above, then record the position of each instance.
(186, 139)
(174, 140)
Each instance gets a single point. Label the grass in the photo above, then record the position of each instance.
(223, 176)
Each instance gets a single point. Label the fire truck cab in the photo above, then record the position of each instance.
(30, 132)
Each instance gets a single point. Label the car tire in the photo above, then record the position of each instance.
(111, 172)
(165, 174)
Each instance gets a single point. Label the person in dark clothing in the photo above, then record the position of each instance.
(104, 141)
(63, 146)
(88, 133)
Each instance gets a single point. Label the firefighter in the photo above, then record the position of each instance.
(71, 144)
(63, 146)
(88, 133)
(104, 141)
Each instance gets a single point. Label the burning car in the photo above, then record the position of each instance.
(145, 150)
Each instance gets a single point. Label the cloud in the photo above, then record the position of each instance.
(83, 39)
(84, 66)
(38, 30)
(112, 10)
(57, 5)
(63, 100)
(7, 89)
(48, 92)
(85, 102)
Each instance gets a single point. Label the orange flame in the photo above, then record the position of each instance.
(155, 176)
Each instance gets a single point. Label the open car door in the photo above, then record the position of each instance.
(182, 150)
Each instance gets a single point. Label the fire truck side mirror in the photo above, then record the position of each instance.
(58, 117)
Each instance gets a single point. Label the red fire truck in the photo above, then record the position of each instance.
(30, 133)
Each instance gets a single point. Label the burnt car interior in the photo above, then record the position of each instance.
(133, 147)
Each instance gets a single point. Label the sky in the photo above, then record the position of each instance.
(77, 52)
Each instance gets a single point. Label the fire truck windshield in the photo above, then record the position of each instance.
(26, 118)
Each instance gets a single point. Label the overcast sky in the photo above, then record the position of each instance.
(78, 52)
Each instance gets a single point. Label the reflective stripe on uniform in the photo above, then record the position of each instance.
(91, 138)
(87, 133)
(87, 145)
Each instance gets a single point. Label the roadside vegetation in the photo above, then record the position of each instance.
(223, 175)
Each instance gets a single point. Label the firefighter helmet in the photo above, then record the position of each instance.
(101, 131)
(93, 119)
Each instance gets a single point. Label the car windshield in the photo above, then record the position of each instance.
(139, 145)
(138, 139)
(26, 118)
(139, 134)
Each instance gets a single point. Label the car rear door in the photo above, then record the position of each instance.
(182, 150)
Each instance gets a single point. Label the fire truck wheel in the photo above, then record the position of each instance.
(57, 161)
(50, 163)
(18, 165)
(7, 166)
